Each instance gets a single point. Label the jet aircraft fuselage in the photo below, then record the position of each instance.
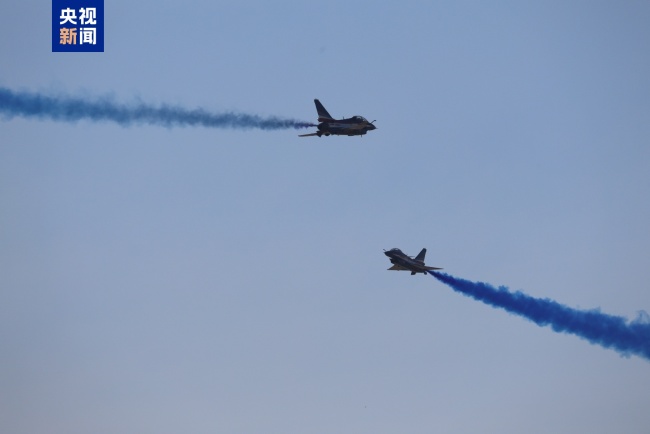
(401, 261)
(354, 126)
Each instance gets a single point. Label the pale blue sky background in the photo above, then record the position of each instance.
(200, 280)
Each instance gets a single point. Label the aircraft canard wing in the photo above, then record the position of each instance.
(307, 135)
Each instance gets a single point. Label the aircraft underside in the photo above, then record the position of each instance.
(414, 270)
(326, 130)
(339, 133)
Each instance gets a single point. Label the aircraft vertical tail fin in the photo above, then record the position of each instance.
(420, 256)
(323, 115)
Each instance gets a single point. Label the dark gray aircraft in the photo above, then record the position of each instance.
(401, 261)
(354, 126)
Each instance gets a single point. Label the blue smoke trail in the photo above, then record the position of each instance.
(71, 109)
(615, 332)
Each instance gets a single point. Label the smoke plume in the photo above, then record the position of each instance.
(72, 109)
(615, 332)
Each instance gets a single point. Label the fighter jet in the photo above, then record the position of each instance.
(354, 126)
(401, 261)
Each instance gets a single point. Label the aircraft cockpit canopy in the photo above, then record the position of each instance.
(360, 119)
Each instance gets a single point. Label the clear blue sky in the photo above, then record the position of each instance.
(199, 280)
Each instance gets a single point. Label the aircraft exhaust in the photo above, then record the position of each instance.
(73, 109)
(609, 331)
